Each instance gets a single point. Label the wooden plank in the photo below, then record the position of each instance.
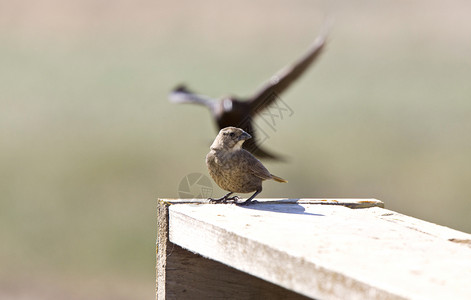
(348, 202)
(191, 276)
(329, 251)
(182, 274)
(161, 250)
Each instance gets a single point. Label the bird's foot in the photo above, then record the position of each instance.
(223, 199)
(218, 200)
(234, 199)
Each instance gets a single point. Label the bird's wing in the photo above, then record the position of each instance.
(278, 83)
(183, 95)
(255, 166)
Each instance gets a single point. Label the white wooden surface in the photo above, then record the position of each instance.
(329, 251)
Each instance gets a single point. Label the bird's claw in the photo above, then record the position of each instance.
(223, 199)
(212, 200)
(234, 198)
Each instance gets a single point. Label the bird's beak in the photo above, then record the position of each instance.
(244, 136)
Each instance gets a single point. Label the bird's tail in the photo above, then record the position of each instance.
(278, 179)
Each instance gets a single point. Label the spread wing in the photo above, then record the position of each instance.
(252, 146)
(269, 92)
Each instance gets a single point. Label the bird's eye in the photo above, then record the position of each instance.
(231, 134)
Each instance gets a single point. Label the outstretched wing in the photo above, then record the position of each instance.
(183, 95)
(252, 146)
(284, 78)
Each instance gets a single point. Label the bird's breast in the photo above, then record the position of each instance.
(230, 173)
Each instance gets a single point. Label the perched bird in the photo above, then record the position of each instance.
(233, 111)
(235, 169)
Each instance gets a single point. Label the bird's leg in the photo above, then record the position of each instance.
(223, 199)
(248, 201)
(233, 198)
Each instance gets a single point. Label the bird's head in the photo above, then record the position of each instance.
(230, 138)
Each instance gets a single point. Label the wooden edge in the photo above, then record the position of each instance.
(183, 274)
(351, 203)
(192, 276)
(311, 279)
(429, 228)
(161, 249)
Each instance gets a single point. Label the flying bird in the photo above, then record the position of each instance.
(235, 169)
(239, 112)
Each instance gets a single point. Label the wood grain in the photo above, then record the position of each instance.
(182, 274)
(329, 251)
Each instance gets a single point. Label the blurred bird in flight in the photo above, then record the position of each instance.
(239, 112)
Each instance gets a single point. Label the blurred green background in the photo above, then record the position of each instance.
(89, 140)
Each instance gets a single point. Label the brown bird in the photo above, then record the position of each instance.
(235, 169)
(233, 111)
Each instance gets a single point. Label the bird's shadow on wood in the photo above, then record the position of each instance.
(288, 208)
